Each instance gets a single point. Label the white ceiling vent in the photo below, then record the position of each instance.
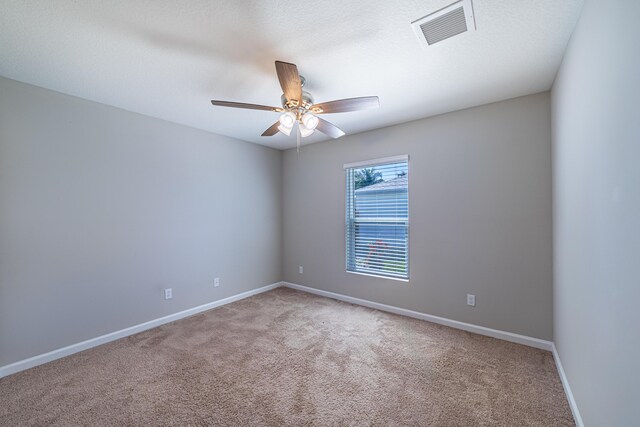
(447, 22)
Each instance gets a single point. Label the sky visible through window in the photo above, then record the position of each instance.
(388, 173)
(375, 174)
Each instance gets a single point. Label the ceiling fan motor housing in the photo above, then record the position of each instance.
(307, 101)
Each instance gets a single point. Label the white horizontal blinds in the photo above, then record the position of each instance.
(377, 218)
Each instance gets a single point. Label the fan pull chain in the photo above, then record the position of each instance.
(298, 144)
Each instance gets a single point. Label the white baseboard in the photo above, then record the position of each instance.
(507, 336)
(567, 389)
(93, 342)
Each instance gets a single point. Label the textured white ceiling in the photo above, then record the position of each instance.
(167, 59)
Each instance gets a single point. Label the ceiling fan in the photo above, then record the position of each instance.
(298, 106)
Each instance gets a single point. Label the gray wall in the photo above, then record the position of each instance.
(480, 215)
(100, 209)
(596, 143)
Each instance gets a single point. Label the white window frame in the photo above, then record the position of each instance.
(372, 163)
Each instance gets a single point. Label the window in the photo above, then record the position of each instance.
(377, 220)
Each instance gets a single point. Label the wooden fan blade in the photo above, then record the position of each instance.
(247, 106)
(273, 129)
(329, 129)
(344, 105)
(289, 81)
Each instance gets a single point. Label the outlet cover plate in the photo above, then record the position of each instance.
(471, 300)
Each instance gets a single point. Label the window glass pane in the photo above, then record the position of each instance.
(377, 219)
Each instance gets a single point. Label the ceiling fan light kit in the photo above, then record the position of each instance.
(304, 131)
(310, 121)
(284, 129)
(298, 106)
(288, 119)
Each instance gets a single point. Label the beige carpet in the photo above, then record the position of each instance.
(291, 358)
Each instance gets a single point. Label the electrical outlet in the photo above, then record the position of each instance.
(216, 282)
(168, 293)
(471, 300)
(300, 270)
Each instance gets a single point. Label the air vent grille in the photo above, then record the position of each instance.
(445, 23)
(445, 26)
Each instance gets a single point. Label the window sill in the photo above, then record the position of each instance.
(399, 279)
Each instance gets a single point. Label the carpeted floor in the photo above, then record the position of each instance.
(290, 358)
